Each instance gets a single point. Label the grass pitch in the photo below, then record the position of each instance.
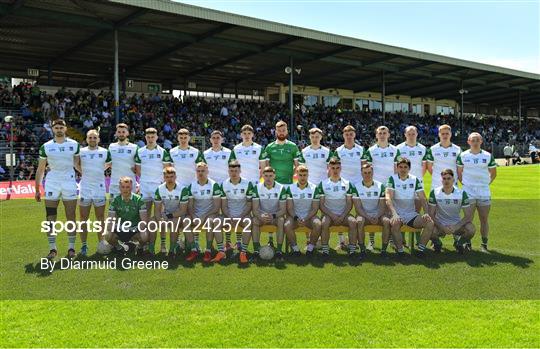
(476, 300)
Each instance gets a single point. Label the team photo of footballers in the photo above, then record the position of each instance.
(277, 190)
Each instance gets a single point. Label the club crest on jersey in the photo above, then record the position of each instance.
(190, 155)
(242, 191)
(455, 201)
(128, 151)
(484, 161)
(411, 185)
(357, 153)
(454, 153)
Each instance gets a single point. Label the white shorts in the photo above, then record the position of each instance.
(148, 191)
(479, 195)
(56, 190)
(92, 194)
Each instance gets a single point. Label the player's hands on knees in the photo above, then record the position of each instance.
(373, 220)
(427, 218)
(395, 219)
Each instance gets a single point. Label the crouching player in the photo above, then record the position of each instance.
(171, 206)
(203, 207)
(445, 204)
(126, 207)
(336, 202)
(236, 206)
(302, 207)
(401, 191)
(370, 207)
(269, 208)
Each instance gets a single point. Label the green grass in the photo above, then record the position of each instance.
(477, 300)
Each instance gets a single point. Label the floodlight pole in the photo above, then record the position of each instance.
(11, 154)
(291, 104)
(116, 87)
(383, 95)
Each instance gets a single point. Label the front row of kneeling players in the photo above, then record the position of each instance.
(288, 208)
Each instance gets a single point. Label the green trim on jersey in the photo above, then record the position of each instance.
(367, 156)
(465, 200)
(283, 194)
(42, 154)
(108, 160)
(429, 155)
(418, 186)
(252, 191)
(166, 157)
(232, 157)
(398, 155)
(492, 162)
(137, 159)
(216, 190)
(459, 161)
(432, 199)
(390, 184)
(157, 196)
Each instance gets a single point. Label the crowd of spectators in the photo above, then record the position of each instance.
(86, 110)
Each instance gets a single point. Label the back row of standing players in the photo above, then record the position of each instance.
(147, 163)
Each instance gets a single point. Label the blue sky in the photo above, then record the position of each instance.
(503, 33)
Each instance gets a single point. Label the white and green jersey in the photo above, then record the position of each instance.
(404, 194)
(370, 196)
(335, 194)
(303, 198)
(249, 157)
(151, 162)
(171, 199)
(449, 206)
(316, 159)
(218, 163)
(237, 195)
(351, 162)
(269, 198)
(476, 167)
(417, 154)
(93, 165)
(185, 161)
(383, 161)
(443, 158)
(122, 160)
(203, 196)
(59, 158)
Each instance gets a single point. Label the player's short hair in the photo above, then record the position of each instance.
(60, 122)
(403, 160)
(315, 130)
(183, 131)
(248, 128)
(367, 165)
(125, 179)
(445, 127)
(216, 132)
(410, 127)
(281, 123)
(201, 164)
(348, 128)
(150, 131)
(122, 125)
(269, 169)
(447, 171)
(169, 170)
(334, 161)
(381, 128)
(93, 131)
(302, 169)
(475, 134)
(234, 163)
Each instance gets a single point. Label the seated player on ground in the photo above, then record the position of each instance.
(370, 207)
(336, 202)
(445, 204)
(171, 201)
(127, 207)
(401, 191)
(236, 204)
(269, 208)
(302, 208)
(203, 209)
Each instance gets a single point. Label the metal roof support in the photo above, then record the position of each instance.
(383, 96)
(291, 103)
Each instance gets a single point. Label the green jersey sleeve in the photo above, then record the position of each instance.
(383, 191)
(254, 192)
(426, 157)
(390, 184)
(249, 192)
(141, 205)
(137, 158)
(301, 159)
(200, 157)
(296, 151)
(418, 186)
(367, 156)
(432, 200)
(492, 162)
(398, 156)
(188, 191)
(42, 153)
(108, 160)
(459, 161)
(316, 193)
(264, 154)
(429, 155)
(113, 204)
(332, 154)
(184, 195)
(157, 196)
(465, 200)
(320, 190)
(216, 190)
(166, 158)
(232, 157)
(283, 194)
(78, 149)
(352, 190)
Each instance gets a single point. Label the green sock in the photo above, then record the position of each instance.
(244, 247)
(362, 248)
(172, 246)
(417, 236)
(256, 246)
(228, 237)
(238, 237)
(151, 248)
(220, 246)
(384, 247)
(484, 240)
(209, 245)
(280, 247)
